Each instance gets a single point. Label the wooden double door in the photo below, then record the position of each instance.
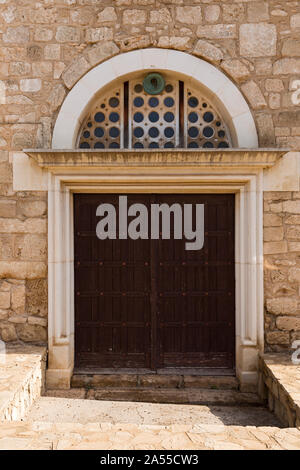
(152, 304)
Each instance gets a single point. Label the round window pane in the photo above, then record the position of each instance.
(208, 116)
(138, 88)
(193, 117)
(193, 132)
(99, 117)
(153, 102)
(138, 102)
(138, 117)
(153, 132)
(138, 132)
(153, 145)
(114, 145)
(99, 132)
(193, 102)
(169, 145)
(138, 145)
(153, 116)
(169, 117)
(114, 117)
(169, 102)
(208, 132)
(114, 102)
(99, 145)
(223, 145)
(193, 145)
(114, 132)
(85, 145)
(169, 132)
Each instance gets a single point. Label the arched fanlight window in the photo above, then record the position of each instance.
(153, 111)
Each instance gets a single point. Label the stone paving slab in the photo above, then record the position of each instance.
(105, 436)
(70, 406)
(22, 369)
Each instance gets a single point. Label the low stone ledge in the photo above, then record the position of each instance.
(279, 385)
(22, 379)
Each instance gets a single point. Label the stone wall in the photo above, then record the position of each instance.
(47, 45)
(282, 269)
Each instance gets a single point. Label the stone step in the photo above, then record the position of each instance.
(177, 396)
(153, 381)
(106, 436)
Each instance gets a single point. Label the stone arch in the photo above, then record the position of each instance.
(213, 80)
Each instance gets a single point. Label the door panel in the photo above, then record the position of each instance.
(151, 303)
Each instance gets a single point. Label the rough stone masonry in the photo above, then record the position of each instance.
(48, 45)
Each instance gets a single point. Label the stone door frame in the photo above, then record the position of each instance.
(233, 171)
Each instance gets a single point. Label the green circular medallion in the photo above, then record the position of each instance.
(154, 83)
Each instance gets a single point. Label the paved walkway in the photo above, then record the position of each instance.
(70, 436)
(67, 422)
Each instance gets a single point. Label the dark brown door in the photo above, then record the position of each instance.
(152, 304)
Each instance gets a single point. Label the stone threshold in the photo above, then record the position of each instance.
(279, 384)
(22, 379)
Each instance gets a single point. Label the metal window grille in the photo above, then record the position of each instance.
(128, 117)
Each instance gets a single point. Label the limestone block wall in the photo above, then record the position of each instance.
(282, 269)
(48, 45)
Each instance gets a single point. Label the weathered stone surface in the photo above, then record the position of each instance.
(272, 220)
(37, 297)
(30, 85)
(7, 208)
(286, 66)
(189, 15)
(278, 337)
(101, 52)
(67, 34)
(134, 17)
(4, 300)
(31, 333)
(291, 207)
(208, 51)
(273, 234)
(22, 270)
(265, 127)
(75, 71)
(254, 95)
(161, 16)
(258, 40)
(291, 47)
(275, 247)
(258, 11)
(94, 35)
(212, 13)
(294, 275)
(282, 305)
(176, 42)
(8, 333)
(219, 31)
(295, 21)
(42, 33)
(236, 69)
(274, 84)
(108, 15)
(52, 51)
(18, 299)
(57, 96)
(288, 323)
(16, 35)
